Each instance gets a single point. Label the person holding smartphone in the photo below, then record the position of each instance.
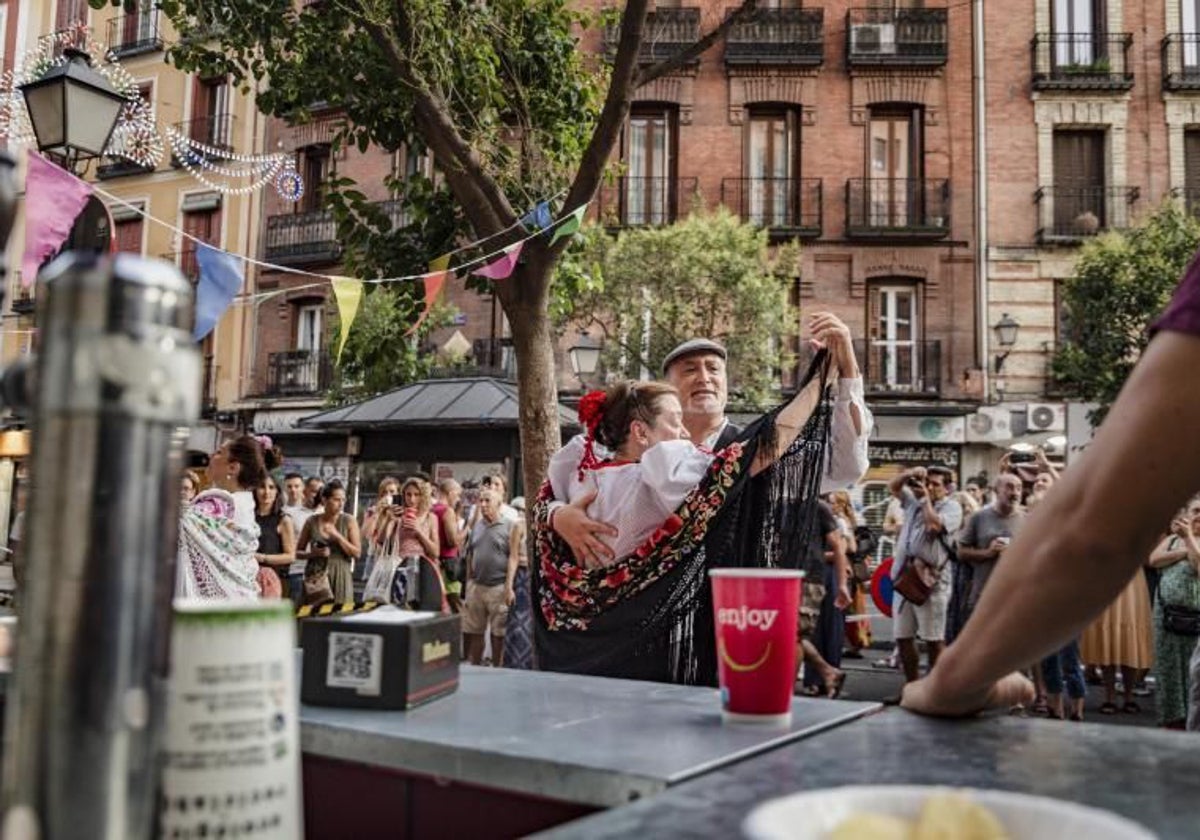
(418, 543)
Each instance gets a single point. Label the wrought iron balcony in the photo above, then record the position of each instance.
(1082, 61)
(397, 212)
(643, 202)
(297, 373)
(900, 368)
(215, 132)
(666, 33)
(898, 208)
(887, 36)
(787, 207)
(118, 167)
(61, 39)
(23, 303)
(133, 34)
(778, 36)
(1070, 214)
(1181, 61)
(300, 238)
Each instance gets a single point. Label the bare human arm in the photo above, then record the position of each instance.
(841, 568)
(1164, 555)
(351, 543)
(287, 538)
(1083, 543)
(581, 532)
(515, 534)
(453, 533)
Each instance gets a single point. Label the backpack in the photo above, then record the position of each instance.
(866, 543)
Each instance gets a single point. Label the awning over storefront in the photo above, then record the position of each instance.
(474, 402)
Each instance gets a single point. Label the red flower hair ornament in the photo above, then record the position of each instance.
(591, 412)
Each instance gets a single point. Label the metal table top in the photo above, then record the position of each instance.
(1151, 776)
(580, 739)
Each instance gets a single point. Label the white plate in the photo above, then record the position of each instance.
(812, 815)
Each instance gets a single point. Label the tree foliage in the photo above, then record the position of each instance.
(1121, 282)
(709, 275)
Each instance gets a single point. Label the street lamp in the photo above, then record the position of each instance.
(73, 109)
(1006, 336)
(584, 356)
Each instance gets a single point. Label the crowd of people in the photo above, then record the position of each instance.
(248, 530)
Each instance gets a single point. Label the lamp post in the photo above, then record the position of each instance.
(73, 110)
(1006, 336)
(585, 357)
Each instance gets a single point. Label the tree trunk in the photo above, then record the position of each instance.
(524, 298)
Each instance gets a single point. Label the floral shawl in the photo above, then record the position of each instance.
(216, 552)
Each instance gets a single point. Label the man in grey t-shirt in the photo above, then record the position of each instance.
(987, 534)
(491, 569)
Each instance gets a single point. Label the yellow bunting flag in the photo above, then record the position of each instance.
(347, 291)
(570, 224)
(440, 264)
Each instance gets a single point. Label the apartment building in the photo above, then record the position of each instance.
(206, 111)
(1093, 119)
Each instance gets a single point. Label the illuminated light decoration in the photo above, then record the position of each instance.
(217, 168)
(135, 136)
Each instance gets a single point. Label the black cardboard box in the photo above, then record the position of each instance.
(383, 659)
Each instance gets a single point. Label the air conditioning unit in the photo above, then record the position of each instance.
(989, 423)
(873, 38)
(1046, 417)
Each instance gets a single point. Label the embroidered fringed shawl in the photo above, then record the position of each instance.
(216, 552)
(649, 615)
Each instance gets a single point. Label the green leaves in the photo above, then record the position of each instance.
(1122, 281)
(709, 275)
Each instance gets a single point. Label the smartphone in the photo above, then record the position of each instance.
(1021, 458)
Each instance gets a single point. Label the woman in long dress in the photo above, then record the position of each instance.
(218, 534)
(1178, 556)
(330, 541)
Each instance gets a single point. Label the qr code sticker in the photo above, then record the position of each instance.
(355, 661)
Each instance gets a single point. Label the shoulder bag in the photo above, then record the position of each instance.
(1182, 621)
(919, 577)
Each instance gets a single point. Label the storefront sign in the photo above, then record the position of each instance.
(283, 422)
(921, 429)
(913, 455)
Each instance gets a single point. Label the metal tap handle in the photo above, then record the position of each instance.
(117, 374)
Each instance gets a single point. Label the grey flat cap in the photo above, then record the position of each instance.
(695, 345)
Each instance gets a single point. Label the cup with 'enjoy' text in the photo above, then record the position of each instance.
(755, 612)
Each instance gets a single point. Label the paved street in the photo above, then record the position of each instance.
(865, 681)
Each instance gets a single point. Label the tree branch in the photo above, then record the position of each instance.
(612, 114)
(693, 52)
(478, 193)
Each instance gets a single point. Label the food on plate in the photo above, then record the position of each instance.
(944, 816)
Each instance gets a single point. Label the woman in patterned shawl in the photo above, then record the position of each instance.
(218, 534)
(648, 614)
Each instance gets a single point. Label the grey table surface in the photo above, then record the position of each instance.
(580, 739)
(1151, 776)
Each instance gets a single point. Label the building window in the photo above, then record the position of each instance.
(895, 156)
(212, 123)
(1191, 43)
(772, 164)
(69, 13)
(202, 225)
(413, 161)
(893, 346)
(1079, 182)
(1191, 170)
(1079, 27)
(314, 164)
(128, 235)
(649, 155)
(308, 326)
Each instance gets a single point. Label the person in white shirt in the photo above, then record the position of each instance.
(295, 507)
(697, 370)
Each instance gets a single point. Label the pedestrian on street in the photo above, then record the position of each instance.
(1178, 556)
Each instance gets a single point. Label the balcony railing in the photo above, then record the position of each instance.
(778, 36)
(787, 207)
(1082, 61)
(643, 202)
(23, 303)
(1190, 196)
(397, 212)
(117, 167)
(215, 131)
(298, 238)
(62, 39)
(297, 373)
(900, 368)
(907, 208)
(1181, 61)
(882, 36)
(667, 32)
(132, 34)
(1069, 214)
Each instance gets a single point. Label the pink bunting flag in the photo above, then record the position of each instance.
(433, 287)
(503, 267)
(53, 199)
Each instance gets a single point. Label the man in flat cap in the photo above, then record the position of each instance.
(696, 369)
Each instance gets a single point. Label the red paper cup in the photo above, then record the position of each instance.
(755, 612)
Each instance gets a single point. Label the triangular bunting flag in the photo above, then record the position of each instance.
(570, 224)
(53, 198)
(220, 281)
(347, 291)
(503, 267)
(538, 218)
(433, 288)
(440, 264)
